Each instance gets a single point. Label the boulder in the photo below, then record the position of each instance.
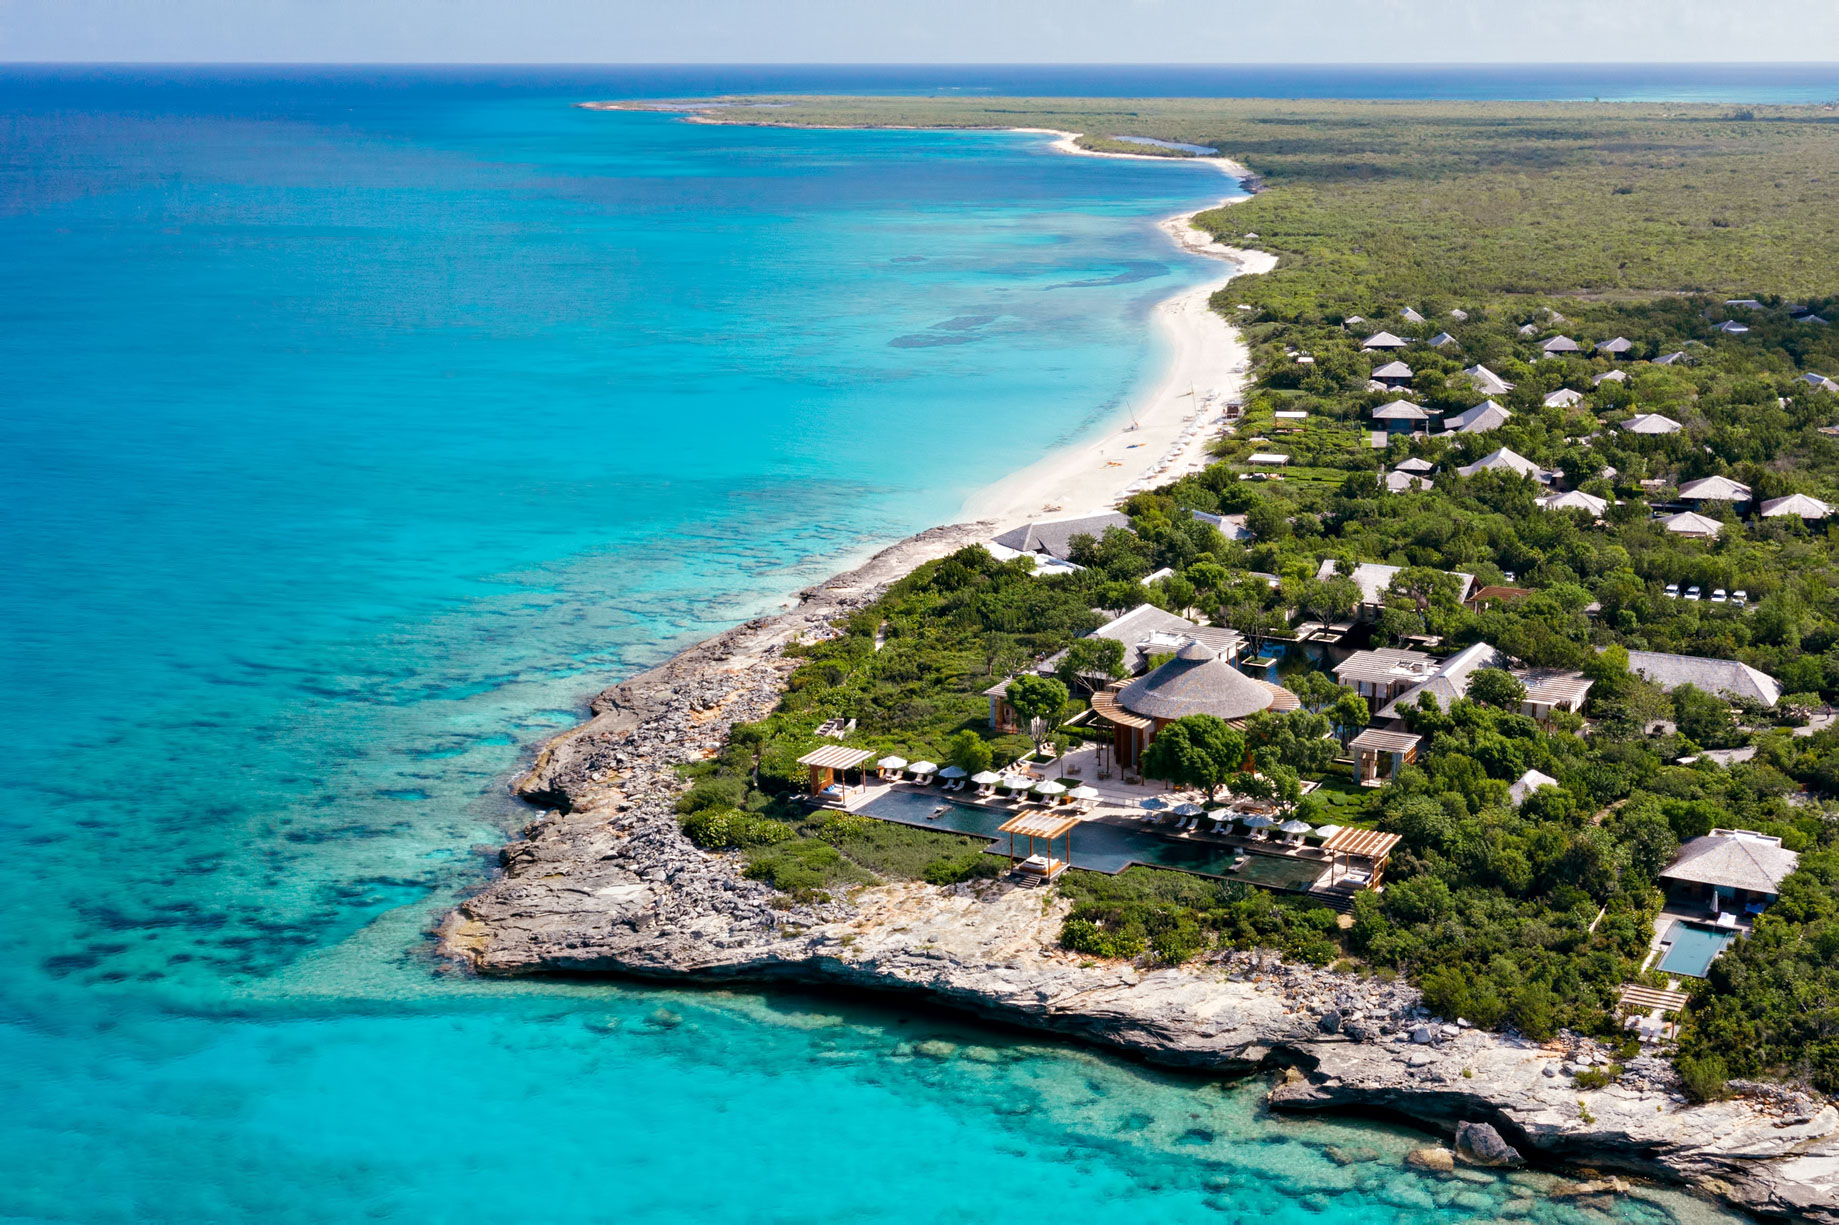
(1329, 1022)
(1437, 1160)
(1480, 1144)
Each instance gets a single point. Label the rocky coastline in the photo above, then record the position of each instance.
(604, 882)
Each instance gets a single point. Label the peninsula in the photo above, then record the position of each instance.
(1441, 721)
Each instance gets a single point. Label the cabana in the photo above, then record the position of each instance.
(829, 765)
(1368, 844)
(1371, 744)
(1046, 826)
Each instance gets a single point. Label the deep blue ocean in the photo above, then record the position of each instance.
(355, 427)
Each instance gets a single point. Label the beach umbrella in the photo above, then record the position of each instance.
(985, 777)
(1084, 792)
(1188, 810)
(1328, 831)
(1221, 814)
(891, 762)
(1017, 782)
(1152, 803)
(1293, 826)
(1048, 786)
(924, 767)
(1258, 821)
(952, 772)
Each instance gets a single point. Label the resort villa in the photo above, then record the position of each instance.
(1052, 539)
(1373, 578)
(1091, 806)
(1730, 871)
(1197, 681)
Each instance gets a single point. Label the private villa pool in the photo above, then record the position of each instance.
(1690, 948)
(1100, 846)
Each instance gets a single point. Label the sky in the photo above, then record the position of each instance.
(919, 31)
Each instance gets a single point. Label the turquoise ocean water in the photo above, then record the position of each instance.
(354, 428)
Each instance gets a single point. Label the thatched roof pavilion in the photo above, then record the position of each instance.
(1197, 682)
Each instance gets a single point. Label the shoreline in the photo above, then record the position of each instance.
(605, 883)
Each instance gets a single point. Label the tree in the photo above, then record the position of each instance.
(1091, 657)
(1039, 700)
(969, 752)
(1703, 718)
(1496, 687)
(1195, 751)
(1298, 740)
(1349, 714)
(1315, 689)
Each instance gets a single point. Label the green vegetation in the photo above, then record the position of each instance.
(1502, 224)
(1196, 751)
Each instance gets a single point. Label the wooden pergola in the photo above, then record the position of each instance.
(1044, 825)
(829, 763)
(1368, 844)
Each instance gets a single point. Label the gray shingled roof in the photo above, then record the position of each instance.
(1450, 681)
(1487, 382)
(1400, 410)
(1196, 682)
(1714, 489)
(1650, 423)
(1725, 676)
(1796, 504)
(1053, 537)
(1478, 420)
(1383, 340)
(1735, 861)
(1504, 460)
(1374, 577)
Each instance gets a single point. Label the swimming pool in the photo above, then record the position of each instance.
(1101, 846)
(1692, 947)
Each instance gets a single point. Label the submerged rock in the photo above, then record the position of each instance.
(1480, 1144)
(1437, 1160)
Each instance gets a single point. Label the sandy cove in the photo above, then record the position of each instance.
(1208, 366)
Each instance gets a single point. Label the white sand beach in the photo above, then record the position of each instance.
(1166, 433)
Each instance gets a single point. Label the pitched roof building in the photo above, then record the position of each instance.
(1691, 523)
(1576, 499)
(1564, 397)
(1796, 504)
(1053, 537)
(1487, 382)
(1374, 577)
(1735, 866)
(1383, 340)
(1650, 423)
(1560, 344)
(1478, 420)
(1714, 489)
(1504, 460)
(1722, 676)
